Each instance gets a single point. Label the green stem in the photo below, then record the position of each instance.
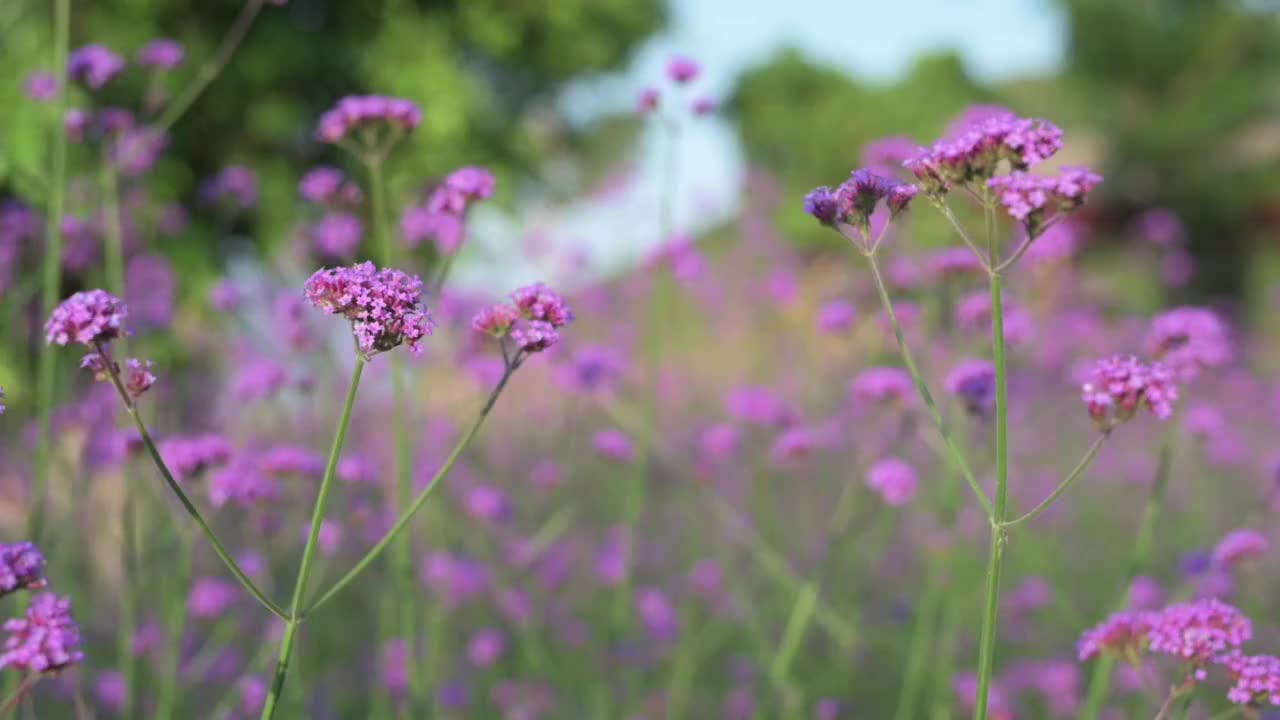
(309, 550)
(957, 456)
(418, 502)
(1100, 679)
(128, 603)
(793, 634)
(922, 638)
(213, 66)
(218, 548)
(176, 621)
(995, 567)
(16, 698)
(52, 266)
(1079, 469)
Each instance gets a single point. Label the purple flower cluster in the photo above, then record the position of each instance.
(94, 65)
(1123, 634)
(442, 218)
(360, 111)
(1199, 632)
(46, 640)
(1189, 339)
(384, 306)
(1029, 198)
(1240, 546)
(882, 385)
(161, 54)
(88, 317)
(856, 198)
(337, 235)
(532, 320)
(893, 480)
(21, 568)
(976, 152)
(1256, 679)
(234, 185)
(974, 383)
(1118, 385)
(138, 377)
(188, 456)
(328, 186)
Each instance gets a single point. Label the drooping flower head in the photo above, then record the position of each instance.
(368, 119)
(1118, 385)
(94, 65)
(1189, 339)
(384, 306)
(46, 640)
(88, 317)
(161, 54)
(21, 568)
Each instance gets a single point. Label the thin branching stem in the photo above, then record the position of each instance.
(213, 67)
(1076, 472)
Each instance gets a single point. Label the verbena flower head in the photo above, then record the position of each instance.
(1256, 679)
(234, 186)
(1033, 199)
(836, 317)
(1118, 386)
(188, 456)
(881, 385)
(460, 188)
(975, 154)
(337, 235)
(894, 480)
(614, 445)
(41, 86)
(327, 185)
(88, 318)
(94, 65)
(384, 306)
(1124, 634)
(162, 54)
(366, 116)
(1189, 339)
(1240, 546)
(973, 382)
(46, 640)
(539, 302)
(682, 70)
(495, 320)
(852, 203)
(21, 568)
(534, 336)
(1199, 632)
(138, 377)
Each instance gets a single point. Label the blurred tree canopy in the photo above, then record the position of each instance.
(485, 73)
(1177, 95)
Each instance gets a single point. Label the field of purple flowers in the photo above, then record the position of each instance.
(740, 480)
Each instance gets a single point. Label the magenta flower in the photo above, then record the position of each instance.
(973, 382)
(486, 647)
(46, 640)
(325, 185)
(893, 480)
(188, 456)
(337, 235)
(21, 568)
(1189, 339)
(534, 336)
(836, 317)
(384, 306)
(372, 111)
(461, 188)
(1199, 632)
(681, 69)
(41, 86)
(658, 614)
(1118, 386)
(1256, 679)
(94, 65)
(1239, 546)
(539, 302)
(138, 377)
(495, 320)
(975, 153)
(647, 101)
(211, 597)
(614, 445)
(704, 106)
(89, 317)
(1123, 634)
(1032, 199)
(882, 385)
(161, 54)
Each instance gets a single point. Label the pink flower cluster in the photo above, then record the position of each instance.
(88, 317)
(532, 319)
(21, 567)
(357, 111)
(1256, 679)
(893, 480)
(46, 640)
(1189, 339)
(1029, 198)
(1118, 385)
(976, 152)
(1200, 632)
(384, 305)
(442, 218)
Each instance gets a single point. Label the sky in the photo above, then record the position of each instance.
(873, 40)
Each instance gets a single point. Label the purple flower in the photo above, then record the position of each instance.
(974, 383)
(495, 320)
(211, 597)
(488, 503)
(384, 306)
(1030, 198)
(225, 295)
(974, 151)
(538, 302)
(1189, 339)
(893, 480)
(253, 693)
(658, 614)
(337, 235)
(719, 442)
(1123, 634)
(460, 578)
(821, 204)
(94, 65)
(534, 336)
(681, 69)
(138, 377)
(1256, 679)
(188, 456)
(882, 385)
(234, 185)
(111, 690)
(162, 54)
(486, 647)
(21, 568)
(257, 379)
(704, 106)
(757, 405)
(1199, 632)
(88, 317)
(292, 460)
(826, 709)
(648, 100)
(41, 86)
(593, 367)
(135, 151)
(374, 111)
(1160, 227)
(324, 185)
(393, 664)
(836, 317)
(1239, 546)
(1118, 385)
(461, 188)
(46, 640)
(328, 539)
(614, 445)
(243, 483)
